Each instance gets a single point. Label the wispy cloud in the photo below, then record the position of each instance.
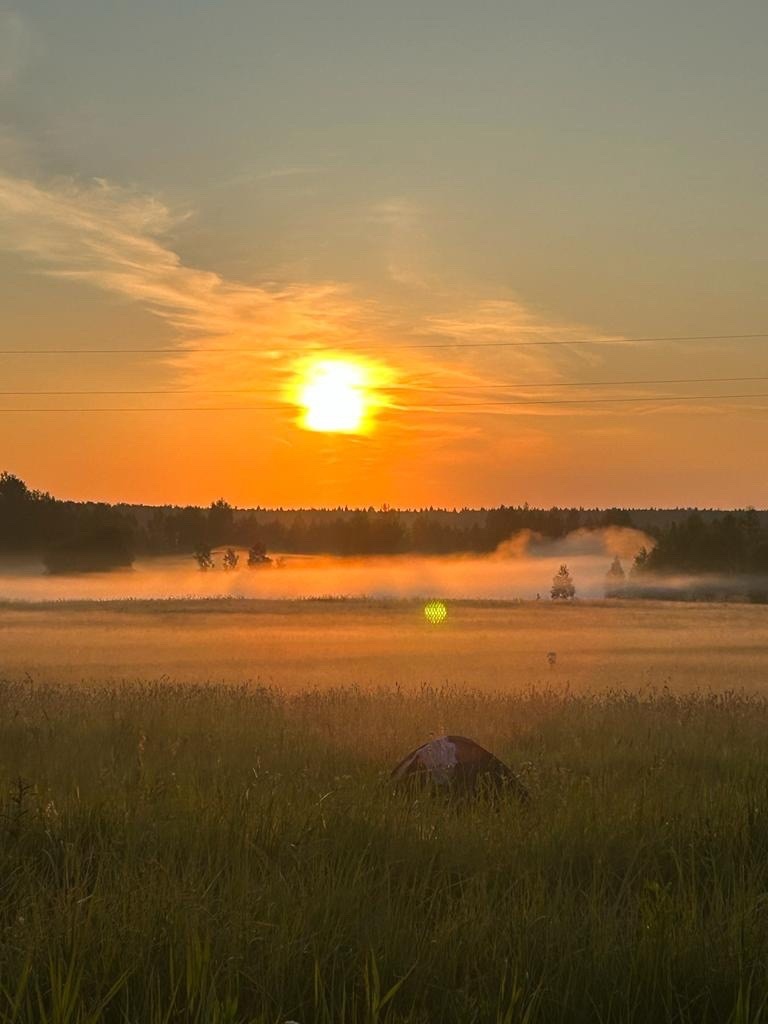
(436, 434)
(114, 239)
(118, 241)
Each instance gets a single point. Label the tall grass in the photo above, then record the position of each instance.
(176, 853)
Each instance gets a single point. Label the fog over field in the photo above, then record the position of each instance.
(296, 645)
(522, 567)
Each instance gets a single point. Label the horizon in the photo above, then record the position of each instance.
(385, 507)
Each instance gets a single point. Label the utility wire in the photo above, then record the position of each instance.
(392, 387)
(180, 351)
(417, 408)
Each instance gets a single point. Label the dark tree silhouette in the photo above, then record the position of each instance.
(257, 555)
(95, 550)
(616, 517)
(221, 519)
(730, 545)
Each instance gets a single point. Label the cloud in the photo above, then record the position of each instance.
(120, 241)
(112, 238)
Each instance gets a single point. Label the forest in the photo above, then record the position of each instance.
(82, 536)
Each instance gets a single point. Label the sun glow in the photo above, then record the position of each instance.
(337, 395)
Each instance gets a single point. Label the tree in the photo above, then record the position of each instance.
(203, 557)
(231, 558)
(614, 578)
(257, 555)
(13, 490)
(640, 564)
(616, 517)
(221, 518)
(185, 529)
(563, 588)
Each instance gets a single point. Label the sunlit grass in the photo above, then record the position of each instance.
(192, 853)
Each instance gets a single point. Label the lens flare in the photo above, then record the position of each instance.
(435, 612)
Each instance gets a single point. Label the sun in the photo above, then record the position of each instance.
(336, 395)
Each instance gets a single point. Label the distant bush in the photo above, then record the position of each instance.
(257, 555)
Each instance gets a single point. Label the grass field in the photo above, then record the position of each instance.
(299, 644)
(177, 851)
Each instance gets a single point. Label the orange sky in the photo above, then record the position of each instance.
(433, 206)
(106, 256)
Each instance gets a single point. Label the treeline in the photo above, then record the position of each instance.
(73, 535)
(388, 532)
(734, 544)
(83, 536)
(69, 536)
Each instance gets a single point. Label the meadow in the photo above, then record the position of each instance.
(223, 845)
(296, 644)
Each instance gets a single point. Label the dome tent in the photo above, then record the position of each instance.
(458, 765)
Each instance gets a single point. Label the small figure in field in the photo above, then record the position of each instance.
(459, 766)
(552, 658)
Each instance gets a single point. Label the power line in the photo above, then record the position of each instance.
(592, 341)
(599, 401)
(366, 348)
(417, 408)
(392, 387)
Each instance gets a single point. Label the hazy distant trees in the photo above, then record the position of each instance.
(231, 559)
(257, 555)
(616, 517)
(221, 520)
(70, 537)
(730, 545)
(640, 564)
(563, 588)
(615, 577)
(733, 544)
(175, 530)
(95, 550)
(204, 557)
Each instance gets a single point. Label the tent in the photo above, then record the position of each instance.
(458, 765)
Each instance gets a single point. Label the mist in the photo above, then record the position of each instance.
(521, 568)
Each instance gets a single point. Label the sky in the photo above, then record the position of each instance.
(216, 196)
